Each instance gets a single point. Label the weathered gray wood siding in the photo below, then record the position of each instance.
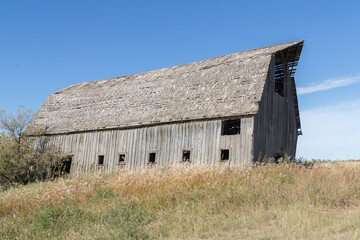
(202, 138)
(275, 128)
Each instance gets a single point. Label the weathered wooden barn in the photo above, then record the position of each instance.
(233, 109)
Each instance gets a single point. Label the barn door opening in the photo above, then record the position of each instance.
(66, 165)
(62, 168)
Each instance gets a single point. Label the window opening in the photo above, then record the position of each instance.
(152, 157)
(225, 154)
(101, 160)
(121, 158)
(186, 156)
(231, 127)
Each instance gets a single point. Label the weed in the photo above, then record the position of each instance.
(274, 201)
(128, 221)
(104, 192)
(53, 220)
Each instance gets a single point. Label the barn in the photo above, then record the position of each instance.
(234, 110)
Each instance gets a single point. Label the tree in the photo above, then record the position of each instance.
(15, 126)
(24, 157)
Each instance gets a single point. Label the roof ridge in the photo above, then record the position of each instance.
(288, 44)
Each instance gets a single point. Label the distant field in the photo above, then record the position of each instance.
(266, 202)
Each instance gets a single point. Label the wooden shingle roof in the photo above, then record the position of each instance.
(224, 86)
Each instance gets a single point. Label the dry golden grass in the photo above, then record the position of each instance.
(265, 202)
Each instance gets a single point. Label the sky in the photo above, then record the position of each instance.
(46, 46)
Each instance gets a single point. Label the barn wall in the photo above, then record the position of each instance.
(275, 128)
(202, 138)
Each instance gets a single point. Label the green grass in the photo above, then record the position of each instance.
(265, 202)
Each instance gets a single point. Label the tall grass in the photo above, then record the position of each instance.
(264, 202)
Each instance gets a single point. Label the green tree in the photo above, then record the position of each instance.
(26, 155)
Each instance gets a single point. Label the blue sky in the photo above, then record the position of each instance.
(48, 45)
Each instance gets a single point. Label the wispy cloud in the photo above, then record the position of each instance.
(330, 132)
(329, 84)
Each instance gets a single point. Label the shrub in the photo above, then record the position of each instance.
(24, 158)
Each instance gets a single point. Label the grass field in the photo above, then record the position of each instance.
(265, 202)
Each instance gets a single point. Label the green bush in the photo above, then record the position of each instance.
(25, 154)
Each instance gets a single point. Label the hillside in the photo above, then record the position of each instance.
(266, 202)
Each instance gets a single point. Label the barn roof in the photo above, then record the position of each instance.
(225, 86)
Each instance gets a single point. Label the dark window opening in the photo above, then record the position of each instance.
(231, 127)
(186, 156)
(225, 154)
(152, 157)
(121, 158)
(101, 160)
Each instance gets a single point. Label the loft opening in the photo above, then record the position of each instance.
(186, 156)
(286, 61)
(224, 154)
(101, 160)
(280, 68)
(231, 127)
(152, 158)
